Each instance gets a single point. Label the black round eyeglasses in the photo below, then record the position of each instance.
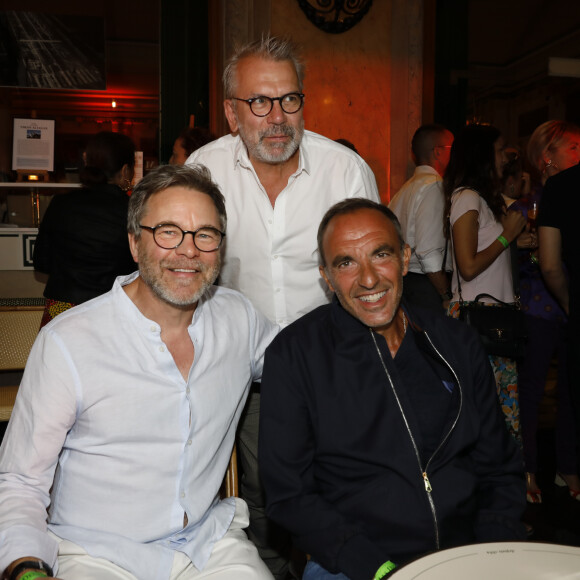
(170, 236)
(261, 106)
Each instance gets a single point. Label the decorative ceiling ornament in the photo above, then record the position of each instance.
(335, 16)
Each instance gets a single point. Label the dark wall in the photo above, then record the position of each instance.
(184, 69)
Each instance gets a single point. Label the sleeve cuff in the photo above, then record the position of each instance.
(21, 541)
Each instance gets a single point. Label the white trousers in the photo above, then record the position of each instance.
(234, 556)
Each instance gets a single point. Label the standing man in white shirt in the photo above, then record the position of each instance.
(278, 179)
(126, 415)
(419, 205)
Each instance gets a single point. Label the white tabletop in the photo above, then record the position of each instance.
(496, 561)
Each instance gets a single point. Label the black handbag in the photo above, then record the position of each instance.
(502, 326)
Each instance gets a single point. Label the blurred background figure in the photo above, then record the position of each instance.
(515, 181)
(189, 140)
(348, 144)
(553, 147)
(82, 241)
(419, 205)
(481, 229)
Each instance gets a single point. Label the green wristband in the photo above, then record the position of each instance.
(387, 567)
(34, 574)
(503, 242)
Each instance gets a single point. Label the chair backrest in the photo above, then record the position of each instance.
(18, 329)
(230, 483)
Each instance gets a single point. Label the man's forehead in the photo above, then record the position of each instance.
(358, 225)
(178, 195)
(249, 67)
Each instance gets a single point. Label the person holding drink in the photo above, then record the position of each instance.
(481, 229)
(552, 147)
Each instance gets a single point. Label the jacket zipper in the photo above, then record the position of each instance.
(423, 472)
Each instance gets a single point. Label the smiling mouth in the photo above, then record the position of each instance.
(187, 271)
(372, 297)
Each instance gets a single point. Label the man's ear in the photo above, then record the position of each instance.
(127, 172)
(406, 258)
(325, 277)
(231, 115)
(133, 244)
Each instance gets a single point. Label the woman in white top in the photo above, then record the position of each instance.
(481, 229)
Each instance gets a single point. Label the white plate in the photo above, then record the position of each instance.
(496, 561)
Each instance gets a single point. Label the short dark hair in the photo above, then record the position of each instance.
(268, 47)
(105, 155)
(194, 177)
(423, 141)
(352, 205)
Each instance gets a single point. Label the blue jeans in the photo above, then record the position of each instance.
(314, 571)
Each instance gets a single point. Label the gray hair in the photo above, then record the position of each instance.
(351, 205)
(195, 177)
(268, 47)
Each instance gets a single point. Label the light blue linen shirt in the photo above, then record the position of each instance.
(134, 445)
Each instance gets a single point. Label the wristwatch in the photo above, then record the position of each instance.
(28, 565)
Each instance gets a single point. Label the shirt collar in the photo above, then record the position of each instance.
(128, 307)
(420, 169)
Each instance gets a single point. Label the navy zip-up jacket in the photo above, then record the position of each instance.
(343, 448)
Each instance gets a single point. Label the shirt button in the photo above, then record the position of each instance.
(189, 441)
(153, 329)
(161, 349)
(275, 257)
(187, 390)
(182, 494)
(277, 289)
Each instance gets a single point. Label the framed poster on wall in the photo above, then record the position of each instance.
(33, 145)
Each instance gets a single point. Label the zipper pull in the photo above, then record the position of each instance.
(427, 483)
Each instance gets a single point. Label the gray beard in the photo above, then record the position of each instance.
(277, 154)
(166, 295)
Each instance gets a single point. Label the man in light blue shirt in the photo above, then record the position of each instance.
(128, 407)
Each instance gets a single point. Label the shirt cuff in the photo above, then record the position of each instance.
(21, 541)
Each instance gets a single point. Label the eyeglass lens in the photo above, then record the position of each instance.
(290, 103)
(169, 236)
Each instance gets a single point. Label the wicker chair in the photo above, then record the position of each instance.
(18, 328)
(230, 483)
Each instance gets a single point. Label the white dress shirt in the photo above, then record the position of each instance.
(270, 252)
(420, 205)
(134, 445)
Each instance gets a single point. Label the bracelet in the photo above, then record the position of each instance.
(38, 567)
(503, 242)
(33, 574)
(387, 567)
(534, 259)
